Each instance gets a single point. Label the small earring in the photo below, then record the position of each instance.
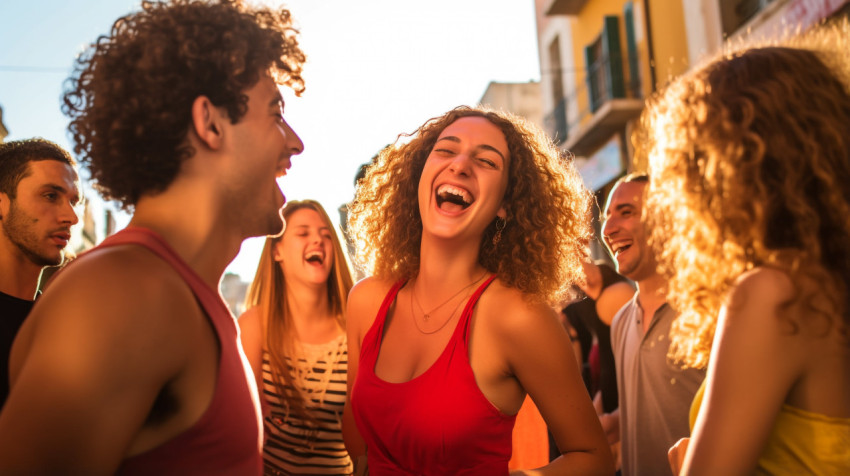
(500, 225)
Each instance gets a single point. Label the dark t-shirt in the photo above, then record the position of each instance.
(13, 312)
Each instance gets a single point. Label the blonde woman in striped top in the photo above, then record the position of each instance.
(293, 333)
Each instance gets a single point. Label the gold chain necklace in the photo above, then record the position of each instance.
(426, 316)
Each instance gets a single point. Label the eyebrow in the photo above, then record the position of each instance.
(482, 146)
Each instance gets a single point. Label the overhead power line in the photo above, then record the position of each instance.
(32, 69)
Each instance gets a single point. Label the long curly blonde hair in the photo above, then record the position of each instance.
(750, 164)
(548, 210)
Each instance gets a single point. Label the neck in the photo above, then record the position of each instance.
(307, 303)
(652, 294)
(20, 275)
(443, 270)
(190, 221)
(310, 314)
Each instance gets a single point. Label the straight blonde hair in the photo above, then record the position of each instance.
(268, 292)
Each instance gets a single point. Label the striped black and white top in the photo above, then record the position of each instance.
(292, 446)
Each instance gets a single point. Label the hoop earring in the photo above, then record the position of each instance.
(500, 225)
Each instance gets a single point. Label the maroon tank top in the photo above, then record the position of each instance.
(227, 439)
(438, 423)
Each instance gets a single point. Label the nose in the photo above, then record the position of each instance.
(609, 227)
(460, 164)
(294, 146)
(68, 214)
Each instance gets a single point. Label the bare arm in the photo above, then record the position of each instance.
(251, 336)
(754, 363)
(87, 370)
(360, 313)
(541, 359)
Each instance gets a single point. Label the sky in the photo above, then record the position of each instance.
(375, 69)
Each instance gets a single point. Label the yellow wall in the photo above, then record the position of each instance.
(668, 38)
(586, 27)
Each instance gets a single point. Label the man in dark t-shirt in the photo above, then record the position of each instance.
(39, 189)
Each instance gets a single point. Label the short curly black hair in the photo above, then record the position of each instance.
(15, 157)
(131, 93)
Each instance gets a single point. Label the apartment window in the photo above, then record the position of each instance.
(735, 13)
(556, 75)
(604, 62)
(555, 121)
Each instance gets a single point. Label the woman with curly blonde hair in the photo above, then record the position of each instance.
(293, 333)
(472, 230)
(750, 197)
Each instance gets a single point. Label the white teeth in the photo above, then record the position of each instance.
(617, 247)
(311, 255)
(451, 189)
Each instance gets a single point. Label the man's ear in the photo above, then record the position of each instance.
(207, 122)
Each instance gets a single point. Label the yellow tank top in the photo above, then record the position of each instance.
(801, 442)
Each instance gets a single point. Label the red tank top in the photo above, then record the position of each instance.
(438, 423)
(227, 439)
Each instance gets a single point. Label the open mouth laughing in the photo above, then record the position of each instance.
(316, 257)
(620, 246)
(453, 198)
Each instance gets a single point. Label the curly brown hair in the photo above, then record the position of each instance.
(130, 95)
(548, 210)
(750, 165)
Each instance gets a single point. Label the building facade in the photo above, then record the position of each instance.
(522, 99)
(711, 23)
(599, 61)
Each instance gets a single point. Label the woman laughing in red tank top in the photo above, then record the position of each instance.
(455, 324)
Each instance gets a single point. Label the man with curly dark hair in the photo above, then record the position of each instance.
(39, 188)
(130, 363)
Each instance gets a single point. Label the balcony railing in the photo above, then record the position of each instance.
(604, 81)
(602, 108)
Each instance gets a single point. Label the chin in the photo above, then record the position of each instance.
(274, 227)
(625, 270)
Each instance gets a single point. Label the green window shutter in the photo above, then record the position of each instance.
(590, 74)
(611, 48)
(631, 47)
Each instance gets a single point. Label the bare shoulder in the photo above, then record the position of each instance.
(364, 301)
(251, 324)
(250, 317)
(112, 269)
(764, 279)
(620, 290)
(508, 311)
(612, 299)
(124, 295)
(763, 286)
(130, 277)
